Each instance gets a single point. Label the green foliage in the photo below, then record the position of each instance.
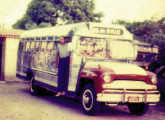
(149, 31)
(45, 13)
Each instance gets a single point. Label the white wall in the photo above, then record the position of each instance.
(11, 48)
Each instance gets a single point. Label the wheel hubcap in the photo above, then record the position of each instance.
(87, 99)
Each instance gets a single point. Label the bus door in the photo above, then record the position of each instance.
(76, 62)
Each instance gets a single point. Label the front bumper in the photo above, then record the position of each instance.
(123, 96)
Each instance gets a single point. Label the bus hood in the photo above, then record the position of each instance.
(118, 68)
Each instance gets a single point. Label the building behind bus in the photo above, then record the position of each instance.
(9, 41)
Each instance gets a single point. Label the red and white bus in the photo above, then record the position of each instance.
(101, 69)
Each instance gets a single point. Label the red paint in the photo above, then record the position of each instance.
(98, 80)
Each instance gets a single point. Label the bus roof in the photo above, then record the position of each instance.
(81, 29)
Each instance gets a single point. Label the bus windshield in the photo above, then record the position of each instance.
(121, 49)
(102, 48)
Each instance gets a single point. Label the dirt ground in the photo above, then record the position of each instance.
(18, 104)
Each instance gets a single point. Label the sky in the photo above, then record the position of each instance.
(129, 10)
(12, 10)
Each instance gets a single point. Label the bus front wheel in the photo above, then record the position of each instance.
(89, 104)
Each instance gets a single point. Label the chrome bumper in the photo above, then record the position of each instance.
(122, 96)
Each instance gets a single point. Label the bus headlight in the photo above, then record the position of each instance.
(107, 78)
(154, 79)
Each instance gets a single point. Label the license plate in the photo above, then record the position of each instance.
(133, 99)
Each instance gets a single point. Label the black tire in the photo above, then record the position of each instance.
(33, 87)
(88, 99)
(36, 90)
(138, 108)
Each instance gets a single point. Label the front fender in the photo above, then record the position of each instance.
(88, 76)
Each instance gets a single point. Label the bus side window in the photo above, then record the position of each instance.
(20, 48)
(20, 55)
(37, 46)
(42, 52)
(50, 56)
(50, 46)
(54, 46)
(24, 46)
(36, 56)
(43, 46)
(32, 46)
(27, 46)
(55, 50)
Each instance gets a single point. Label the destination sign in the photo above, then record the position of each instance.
(106, 31)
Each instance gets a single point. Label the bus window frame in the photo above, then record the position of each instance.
(24, 46)
(32, 49)
(43, 48)
(36, 46)
(52, 46)
(89, 56)
(27, 46)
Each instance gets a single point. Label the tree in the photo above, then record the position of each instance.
(45, 13)
(149, 31)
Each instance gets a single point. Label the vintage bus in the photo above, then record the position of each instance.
(100, 68)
